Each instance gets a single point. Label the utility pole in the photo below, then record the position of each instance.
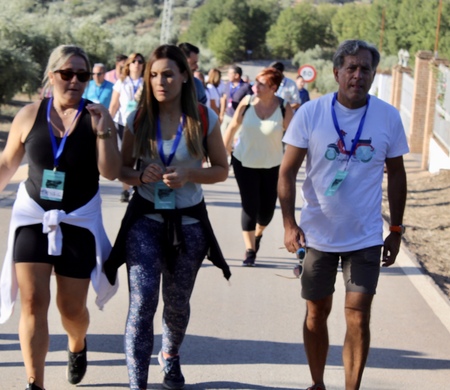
(166, 24)
(383, 16)
(436, 42)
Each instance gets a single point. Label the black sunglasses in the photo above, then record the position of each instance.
(138, 61)
(67, 75)
(97, 74)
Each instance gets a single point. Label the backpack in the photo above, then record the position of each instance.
(280, 100)
(204, 119)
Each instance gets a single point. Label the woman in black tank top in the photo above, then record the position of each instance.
(69, 143)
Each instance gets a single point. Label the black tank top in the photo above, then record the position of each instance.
(78, 161)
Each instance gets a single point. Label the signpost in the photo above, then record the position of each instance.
(308, 72)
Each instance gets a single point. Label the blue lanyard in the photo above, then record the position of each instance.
(57, 151)
(97, 89)
(135, 87)
(338, 129)
(175, 142)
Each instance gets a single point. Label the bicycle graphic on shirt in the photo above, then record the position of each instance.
(364, 151)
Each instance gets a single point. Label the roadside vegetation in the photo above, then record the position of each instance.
(301, 31)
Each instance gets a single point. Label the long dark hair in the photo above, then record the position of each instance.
(148, 109)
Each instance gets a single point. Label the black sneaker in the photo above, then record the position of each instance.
(250, 257)
(257, 243)
(77, 365)
(32, 386)
(125, 196)
(173, 378)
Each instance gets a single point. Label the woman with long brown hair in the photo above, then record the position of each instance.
(166, 234)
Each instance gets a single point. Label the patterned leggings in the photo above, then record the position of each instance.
(145, 267)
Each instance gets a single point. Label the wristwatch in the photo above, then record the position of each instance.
(398, 229)
(105, 135)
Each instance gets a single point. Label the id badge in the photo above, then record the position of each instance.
(52, 187)
(336, 183)
(230, 103)
(164, 197)
(132, 105)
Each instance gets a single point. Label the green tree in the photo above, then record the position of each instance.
(354, 30)
(18, 73)
(252, 19)
(297, 29)
(94, 39)
(224, 41)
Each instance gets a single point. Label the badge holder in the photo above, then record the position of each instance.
(164, 197)
(52, 187)
(336, 183)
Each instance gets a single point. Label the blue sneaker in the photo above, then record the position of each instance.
(173, 378)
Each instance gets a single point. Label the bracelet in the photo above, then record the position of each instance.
(140, 178)
(107, 134)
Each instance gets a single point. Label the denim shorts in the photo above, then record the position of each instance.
(360, 269)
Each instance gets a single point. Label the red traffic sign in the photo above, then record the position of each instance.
(308, 72)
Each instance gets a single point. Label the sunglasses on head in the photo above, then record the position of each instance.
(67, 75)
(138, 61)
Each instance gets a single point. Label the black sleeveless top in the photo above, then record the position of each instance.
(78, 161)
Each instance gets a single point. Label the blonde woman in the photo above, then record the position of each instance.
(69, 142)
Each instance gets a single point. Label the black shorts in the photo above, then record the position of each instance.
(360, 270)
(78, 256)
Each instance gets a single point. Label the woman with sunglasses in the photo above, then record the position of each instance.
(166, 234)
(56, 222)
(124, 99)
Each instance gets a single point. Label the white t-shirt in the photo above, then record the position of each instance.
(214, 94)
(351, 219)
(126, 89)
(288, 91)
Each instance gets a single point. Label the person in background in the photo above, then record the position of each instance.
(69, 143)
(233, 93)
(114, 74)
(99, 90)
(302, 91)
(288, 89)
(246, 79)
(192, 53)
(166, 233)
(213, 85)
(347, 138)
(257, 156)
(200, 76)
(124, 101)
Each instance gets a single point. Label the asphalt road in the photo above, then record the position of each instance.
(247, 334)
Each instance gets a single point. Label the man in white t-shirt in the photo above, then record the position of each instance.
(347, 138)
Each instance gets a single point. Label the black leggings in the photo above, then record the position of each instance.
(258, 189)
(146, 268)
